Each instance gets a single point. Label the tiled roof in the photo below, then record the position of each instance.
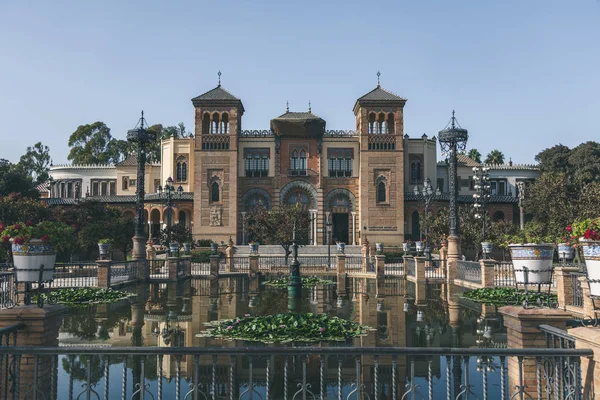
(43, 187)
(130, 161)
(467, 161)
(529, 167)
(217, 93)
(409, 196)
(298, 115)
(380, 94)
(187, 196)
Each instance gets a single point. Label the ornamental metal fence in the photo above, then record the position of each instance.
(289, 373)
(8, 296)
(158, 268)
(504, 275)
(576, 298)
(411, 266)
(200, 268)
(354, 263)
(124, 272)
(436, 270)
(75, 274)
(469, 271)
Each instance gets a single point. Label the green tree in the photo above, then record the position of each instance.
(554, 159)
(36, 162)
(14, 179)
(495, 157)
(118, 150)
(475, 155)
(90, 144)
(163, 133)
(584, 164)
(277, 226)
(179, 234)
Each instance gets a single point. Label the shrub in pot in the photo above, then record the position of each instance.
(586, 233)
(379, 247)
(254, 247)
(341, 246)
(104, 247)
(531, 258)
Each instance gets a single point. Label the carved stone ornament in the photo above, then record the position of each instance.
(216, 216)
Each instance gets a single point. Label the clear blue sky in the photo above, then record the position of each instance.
(521, 74)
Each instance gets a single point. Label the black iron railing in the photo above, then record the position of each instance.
(8, 296)
(436, 270)
(410, 263)
(576, 290)
(288, 372)
(469, 271)
(75, 275)
(394, 266)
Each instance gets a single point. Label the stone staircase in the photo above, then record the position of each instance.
(308, 250)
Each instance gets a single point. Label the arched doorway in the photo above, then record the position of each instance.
(498, 216)
(155, 226)
(416, 226)
(340, 203)
(183, 218)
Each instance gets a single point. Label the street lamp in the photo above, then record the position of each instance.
(169, 191)
(167, 332)
(453, 139)
(482, 195)
(427, 193)
(140, 136)
(328, 226)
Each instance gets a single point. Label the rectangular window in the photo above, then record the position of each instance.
(125, 183)
(501, 188)
(69, 190)
(111, 188)
(95, 189)
(471, 183)
(494, 188)
(440, 184)
(132, 182)
(104, 189)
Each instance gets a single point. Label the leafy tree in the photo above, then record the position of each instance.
(554, 159)
(475, 155)
(36, 162)
(584, 164)
(162, 133)
(179, 234)
(495, 157)
(277, 226)
(90, 144)
(14, 179)
(118, 150)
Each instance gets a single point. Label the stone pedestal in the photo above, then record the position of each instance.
(564, 290)
(214, 265)
(452, 257)
(487, 273)
(380, 265)
(588, 338)
(103, 273)
(172, 264)
(41, 329)
(139, 248)
(341, 273)
(523, 332)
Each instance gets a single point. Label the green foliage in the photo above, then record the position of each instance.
(554, 159)
(104, 241)
(15, 208)
(391, 254)
(14, 179)
(57, 234)
(204, 242)
(277, 226)
(309, 281)
(285, 328)
(505, 296)
(179, 234)
(90, 144)
(495, 157)
(36, 162)
(201, 255)
(162, 133)
(474, 155)
(533, 232)
(83, 296)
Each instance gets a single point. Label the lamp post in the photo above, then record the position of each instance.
(427, 194)
(328, 226)
(169, 191)
(453, 139)
(482, 195)
(140, 136)
(295, 285)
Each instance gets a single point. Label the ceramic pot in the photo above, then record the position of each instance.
(405, 247)
(341, 247)
(487, 247)
(591, 253)
(565, 252)
(419, 246)
(174, 249)
(29, 257)
(254, 248)
(532, 263)
(103, 248)
(379, 247)
(214, 246)
(187, 248)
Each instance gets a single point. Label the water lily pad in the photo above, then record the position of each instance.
(309, 281)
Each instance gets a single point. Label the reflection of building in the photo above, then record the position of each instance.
(364, 177)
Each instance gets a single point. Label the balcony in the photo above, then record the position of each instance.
(301, 172)
(340, 173)
(257, 173)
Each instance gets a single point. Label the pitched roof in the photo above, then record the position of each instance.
(298, 115)
(130, 161)
(409, 196)
(217, 93)
(380, 94)
(466, 161)
(186, 196)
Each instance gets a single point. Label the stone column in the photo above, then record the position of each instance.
(487, 273)
(353, 228)
(172, 264)
(420, 269)
(214, 265)
(588, 338)
(564, 290)
(41, 329)
(523, 333)
(341, 272)
(315, 227)
(243, 227)
(103, 273)
(380, 265)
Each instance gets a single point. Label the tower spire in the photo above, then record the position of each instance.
(309, 108)
(378, 81)
(287, 106)
(219, 74)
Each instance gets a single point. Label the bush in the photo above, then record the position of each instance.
(201, 255)
(204, 242)
(393, 254)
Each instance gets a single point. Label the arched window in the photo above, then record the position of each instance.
(294, 160)
(225, 123)
(181, 170)
(390, 123)
(415, 171)
(381, 123)
(303, 160)
(215, 124)
(206, 124)
(182, 218)
(381, 192)
(371, 123)
(214, 192)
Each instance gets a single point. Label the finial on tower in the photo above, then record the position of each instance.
(453, 120)
(287, 106)
(309, 108)
(219, 73)
(378, 75)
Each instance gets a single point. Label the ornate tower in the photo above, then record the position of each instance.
(380, 125)
(218, 117)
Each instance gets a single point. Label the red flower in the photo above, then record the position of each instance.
(569, 229)
(17, 226)
(28, 223)
(1, 227)
(5, 239)
(19, 240)
(45, 238)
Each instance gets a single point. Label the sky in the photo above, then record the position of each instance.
(521, 75)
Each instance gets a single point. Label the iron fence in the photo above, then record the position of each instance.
(75, 275)
(289, 373)
(410, 264)
(8, 290)
(354, 263)
(394, 266)
(126, 271)
(8, 337)
(274, 263)
(503, 274)
(469, 271)
(240, 264)
(576, 290)
(181, 267)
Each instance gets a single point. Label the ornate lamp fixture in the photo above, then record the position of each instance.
(167, 192)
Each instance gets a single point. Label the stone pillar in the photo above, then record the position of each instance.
(172, 264)
(380, 265)
(588, 338)
(487, 273)
(452, 258)
(405, 264)
(523, 333)
(41, 329)
(214, 265)
(564, 291)
(188, 265)
(341, 272)
(315, 226)
(243, 227)
(103, 273)
(420, 269)
(253, 262)
(353, 228)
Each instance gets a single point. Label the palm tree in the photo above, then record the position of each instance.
(495, 157)
(474, 155)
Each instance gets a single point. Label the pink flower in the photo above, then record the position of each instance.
(229, 327)
(5, 239)
(246, 315)
(45, 238)
(17, 226)
(321, 329)
(1, 227)
(569, 229)
(28, 223)
(19, 240)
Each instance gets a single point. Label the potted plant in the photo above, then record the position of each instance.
(419, 247)
(379, 247)
(187, 248)
(254, 247)
(406, 246)
(531, 257)
(587, 233)
(104, 247)
(34, 246)
(174, 249)
(487, 248)
(565, 251)
(214, 247)
(341, 246)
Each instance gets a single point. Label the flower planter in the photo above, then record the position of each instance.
(379, 247)
(565, 252)
(405, 247)
(532, 263)
(591, 253)
(419, 247)
(214, 247)
(103, 249)
(187, 248)
(254, 248)
(341, 247)
(29, 257)
(174, 249)
(487, 247)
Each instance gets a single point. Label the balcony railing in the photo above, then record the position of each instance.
(257, 172)
(469, 271)
(288, 372)
(301, 172)
(340, 173)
